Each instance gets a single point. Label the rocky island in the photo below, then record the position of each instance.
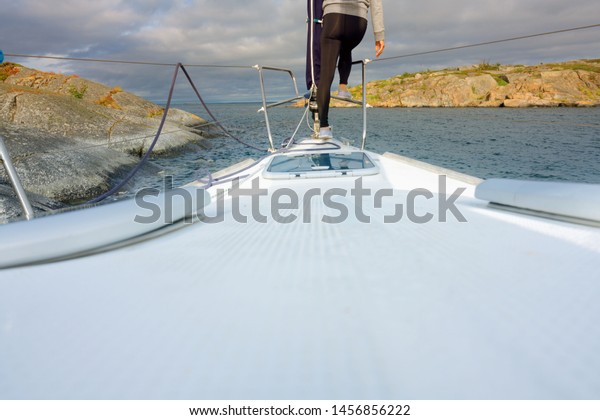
(72, 139)
(573, 83)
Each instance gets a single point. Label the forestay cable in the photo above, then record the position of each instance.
(112, 61)
(480, 44)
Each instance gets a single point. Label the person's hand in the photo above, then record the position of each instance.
(379, 47)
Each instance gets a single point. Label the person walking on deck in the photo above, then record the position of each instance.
(344, 26)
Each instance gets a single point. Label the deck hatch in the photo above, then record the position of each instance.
(320, 164)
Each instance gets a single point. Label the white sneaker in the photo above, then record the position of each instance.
(325, 133)
(344, 94)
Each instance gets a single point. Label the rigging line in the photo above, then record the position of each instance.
(159, 131)
(211, 114)
(147, 154)
(488, 43)
(312, 46)
(291, 140)
(145, 63)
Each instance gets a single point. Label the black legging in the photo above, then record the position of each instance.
(340, 35)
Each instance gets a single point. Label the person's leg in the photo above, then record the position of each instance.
(344, 69)
(345, 65)
(350, 41)
(330, 50)
(340, 32)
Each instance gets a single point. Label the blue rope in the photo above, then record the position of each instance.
(144, 158)
(147, 154)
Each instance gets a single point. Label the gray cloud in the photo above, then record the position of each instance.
(272, 32)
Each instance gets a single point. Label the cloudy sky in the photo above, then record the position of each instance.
(272, 32)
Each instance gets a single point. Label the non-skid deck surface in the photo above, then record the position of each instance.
(501, 306)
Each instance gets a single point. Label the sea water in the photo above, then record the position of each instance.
(560, 144)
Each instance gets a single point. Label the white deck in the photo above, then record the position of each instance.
(502, 306)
